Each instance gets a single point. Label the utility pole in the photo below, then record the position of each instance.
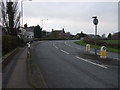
(22, 10)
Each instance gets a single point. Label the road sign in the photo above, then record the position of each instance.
(95, 21)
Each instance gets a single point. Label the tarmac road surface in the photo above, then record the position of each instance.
(62, 66)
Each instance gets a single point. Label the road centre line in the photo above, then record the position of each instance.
(53, 44)
(64, 51)
(56, 47)
(60, 49)
(91, 62)
(72, 46)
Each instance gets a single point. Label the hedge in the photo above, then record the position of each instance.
(101, 43)
(39, 39)
(9, 43)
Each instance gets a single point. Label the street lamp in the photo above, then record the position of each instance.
(95, 21)
(42, 22)
(22, 9)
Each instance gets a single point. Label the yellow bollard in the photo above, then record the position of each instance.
(103, 52)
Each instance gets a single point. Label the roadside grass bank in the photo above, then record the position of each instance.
(98, 47)
(34, 74)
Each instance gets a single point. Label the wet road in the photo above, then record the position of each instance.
(63, 67)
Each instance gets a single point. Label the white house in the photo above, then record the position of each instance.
(29, 34)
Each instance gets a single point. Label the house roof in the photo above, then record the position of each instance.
(58, 31)
(30, 29)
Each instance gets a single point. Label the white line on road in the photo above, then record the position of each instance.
(53, 44)
(91, 62)
(65, 42)
(64, 51)
(72, 46)
(56, 47)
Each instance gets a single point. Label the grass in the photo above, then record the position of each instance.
(98, 47)
(111, 41)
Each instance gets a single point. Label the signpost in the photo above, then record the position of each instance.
(95, 21)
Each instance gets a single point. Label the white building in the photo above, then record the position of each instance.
(29, 34)
(26, 33)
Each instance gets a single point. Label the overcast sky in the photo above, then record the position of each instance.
(73, 16)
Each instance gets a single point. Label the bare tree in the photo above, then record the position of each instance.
(10, 16)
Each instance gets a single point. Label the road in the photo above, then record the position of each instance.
(62, 66)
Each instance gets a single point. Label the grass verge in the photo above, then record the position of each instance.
(97, 47)
(111, 41)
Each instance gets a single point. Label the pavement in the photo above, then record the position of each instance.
(62, 66)
(15, 74)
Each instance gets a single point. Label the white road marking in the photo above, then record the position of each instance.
(53, 44)
(65, 43)
(56, 47)
(92, 62)
(75, 47)
(72, 46)
(64, 51)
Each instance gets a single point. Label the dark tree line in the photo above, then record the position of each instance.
(37, 32)
(10, 16)
(109, 35)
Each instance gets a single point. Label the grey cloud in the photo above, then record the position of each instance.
(77, 12)
(72, 11)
